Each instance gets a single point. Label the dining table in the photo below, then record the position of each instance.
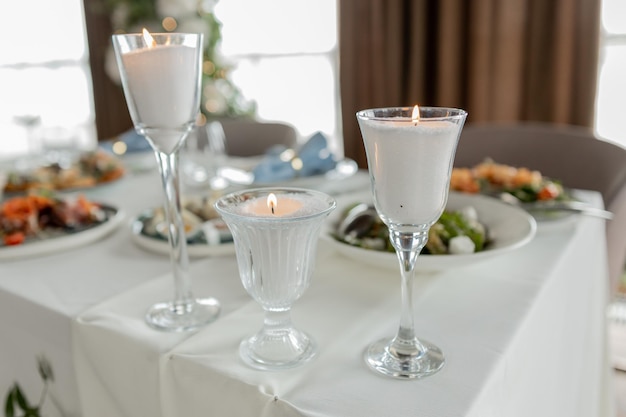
(523, 333)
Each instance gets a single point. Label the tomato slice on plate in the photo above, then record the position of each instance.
(15, 238)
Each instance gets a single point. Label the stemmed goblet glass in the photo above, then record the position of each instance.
(276, 233)
(410, 152)
(161, 76)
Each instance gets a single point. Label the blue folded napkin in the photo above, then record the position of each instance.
(280, 163)
(133, 140)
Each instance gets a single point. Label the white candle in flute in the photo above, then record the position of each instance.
(161, 80)
(411, 163)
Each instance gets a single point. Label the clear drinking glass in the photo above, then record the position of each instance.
(161, 76)
(33, 159)
(202, 156)
(410, 152)
(276, 243)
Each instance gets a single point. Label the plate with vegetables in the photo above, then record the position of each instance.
(473, 228)
(90, 169)
(490, 178)
(43, 222)
(205, 231)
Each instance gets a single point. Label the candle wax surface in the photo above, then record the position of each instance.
(162, 83)
(284, 206)
(288, 206)
(410, 163)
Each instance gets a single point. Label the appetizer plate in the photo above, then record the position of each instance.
(509, 228)
(86, 172)
(63, 241)
(198, 246)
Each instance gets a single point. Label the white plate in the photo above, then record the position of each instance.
(64, 242)
(239, 171)
(161, 246)
(509, 227)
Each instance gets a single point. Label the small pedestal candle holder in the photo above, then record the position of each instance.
(276, 233)
(409, 154)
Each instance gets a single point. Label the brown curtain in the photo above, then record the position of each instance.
(112, 117)
(501, 60)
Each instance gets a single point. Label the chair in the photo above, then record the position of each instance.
(567, 153)
(250, 138)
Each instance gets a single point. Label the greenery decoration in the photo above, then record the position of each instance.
(220, 97)
(16, 403)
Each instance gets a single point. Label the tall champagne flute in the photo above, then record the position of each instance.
(161, 76)
(410, 152)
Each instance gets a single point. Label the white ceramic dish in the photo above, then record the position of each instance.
(158, 244)
(510, 228)
(64, 242)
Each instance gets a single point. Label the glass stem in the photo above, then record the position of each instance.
(408, 246)
(168, 167)
(277, 322)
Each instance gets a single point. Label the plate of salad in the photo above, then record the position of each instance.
(490, 177)
(42, 222)
(205, 231)
(88, 170)
(473, 228)
(547, 199)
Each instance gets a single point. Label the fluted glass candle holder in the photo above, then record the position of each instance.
(276, 233)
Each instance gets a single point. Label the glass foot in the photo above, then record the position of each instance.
(427, 361)
(273, 351)
(170, 317)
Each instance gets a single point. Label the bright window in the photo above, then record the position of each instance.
(285, 59)
(44, 74)
(611, 96)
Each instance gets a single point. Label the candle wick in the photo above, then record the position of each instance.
(272, 209)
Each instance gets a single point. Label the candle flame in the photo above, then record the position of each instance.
(272, 202)
(148, 38)
(416, 114)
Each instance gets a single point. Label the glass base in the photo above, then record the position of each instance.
(425, 362)
(169, 317)
(272, 351)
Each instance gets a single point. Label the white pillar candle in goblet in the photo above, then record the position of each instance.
(410, 163)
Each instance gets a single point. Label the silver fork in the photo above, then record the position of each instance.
(539, 206)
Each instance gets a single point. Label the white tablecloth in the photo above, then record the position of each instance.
(40, 297)
(523, 334)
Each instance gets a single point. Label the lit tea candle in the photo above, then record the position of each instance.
(275, 234)
(401, 150)
(280, 205)
(273, 206)
(161, 80)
